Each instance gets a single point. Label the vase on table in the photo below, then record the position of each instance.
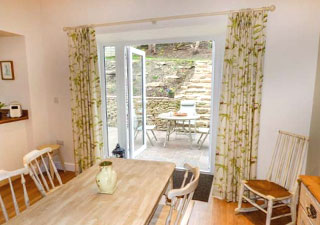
(106, 179)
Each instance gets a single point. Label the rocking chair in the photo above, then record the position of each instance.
(281, 185)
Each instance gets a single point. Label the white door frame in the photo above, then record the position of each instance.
(217, 59)
(132, 148)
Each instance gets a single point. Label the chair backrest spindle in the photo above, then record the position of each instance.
(287, 160)
(7, 175)
(37, 166)
(180, 198)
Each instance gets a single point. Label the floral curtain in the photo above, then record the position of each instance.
(240, 103)
(86, 97)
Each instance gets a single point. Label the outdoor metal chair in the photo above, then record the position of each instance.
(204, 131)
(149, 128)
(189, 107)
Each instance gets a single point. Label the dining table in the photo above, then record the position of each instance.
(172, 119)
(140, 186)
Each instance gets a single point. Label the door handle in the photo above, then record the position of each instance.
(312, 213)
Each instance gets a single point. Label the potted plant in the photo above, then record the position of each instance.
(170, 93)
(1, 106)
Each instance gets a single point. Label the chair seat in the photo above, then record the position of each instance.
(148, 127)
(268, 188)
(203, 130)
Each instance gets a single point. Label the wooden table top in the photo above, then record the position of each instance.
(169, 116)
(139, 189)
(313, 184)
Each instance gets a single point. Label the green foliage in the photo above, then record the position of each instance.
(2, 105)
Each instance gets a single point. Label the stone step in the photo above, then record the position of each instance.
(202, 76)
(207, 80)
(202, 70)
(204, 117)
(203, 62)
(202, 86)
(188, 97)
(198, 85)
(205, 98)
(203, 110)
(196, 90)
(206, 104)
(192, 80)
(195, 97)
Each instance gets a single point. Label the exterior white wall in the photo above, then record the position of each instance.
(290, 65)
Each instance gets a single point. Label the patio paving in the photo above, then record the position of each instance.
(178, 149)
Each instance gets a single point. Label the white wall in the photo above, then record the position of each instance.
(15, 138)
(23, 17)
(313, 165)
(290, 65)
(13, 48)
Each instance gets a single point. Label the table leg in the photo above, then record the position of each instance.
(190, 135)
(167, 134)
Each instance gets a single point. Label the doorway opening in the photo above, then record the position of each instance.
(168, 100)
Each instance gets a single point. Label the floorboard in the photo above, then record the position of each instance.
(34, 194)
(220, 212)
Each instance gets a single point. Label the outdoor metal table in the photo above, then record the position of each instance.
(171, 124)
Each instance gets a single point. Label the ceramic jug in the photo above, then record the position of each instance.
(107, 178)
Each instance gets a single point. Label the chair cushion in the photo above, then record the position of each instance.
(268, 188)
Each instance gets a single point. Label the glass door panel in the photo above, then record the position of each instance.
(136, 103)
(111, 97)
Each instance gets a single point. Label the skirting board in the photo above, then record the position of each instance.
(68, 166)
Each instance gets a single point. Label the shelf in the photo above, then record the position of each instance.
(4, 119)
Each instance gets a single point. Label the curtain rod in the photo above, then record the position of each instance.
(166, 18)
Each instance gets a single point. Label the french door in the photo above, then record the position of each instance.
(136, 100)
(124, 98)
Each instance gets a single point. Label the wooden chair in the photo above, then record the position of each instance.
(7, 175)
(281, 184)
(56, 151)
(35, 162)
(179, 201)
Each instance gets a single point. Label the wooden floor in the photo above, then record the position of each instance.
(222, 213)
(215, 212)
(34, 194)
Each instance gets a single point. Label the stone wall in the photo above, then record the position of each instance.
(194, 85)
(160, 75)
(155, 106)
